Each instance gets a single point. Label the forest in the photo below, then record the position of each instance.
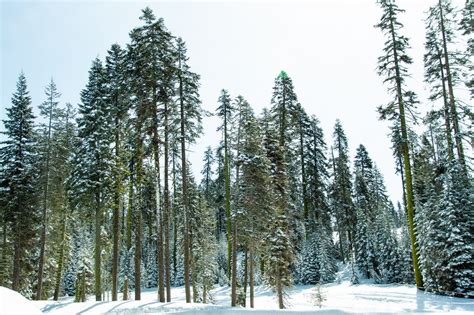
(100, 198)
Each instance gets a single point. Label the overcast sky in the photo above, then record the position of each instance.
(329, 49)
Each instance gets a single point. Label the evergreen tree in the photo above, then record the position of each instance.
(92, 172)
(225, 111)
(62, 157)
(445, 222)
(255, 194)
(393, 65)
(317, 173)
(18, 181)
(279, 249)
(116, 94)
(341, 193)
(49, 111)
(190, 121)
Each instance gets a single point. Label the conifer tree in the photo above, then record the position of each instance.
(207, 173)
(18, 181)
(317, 172)
(284, 113)
(49, 111)
(393, 65)
(63, 157)
(92, 172)
(190, 128)
(115, 73)
(279, 249)
(443, 67)
(341, 193)
(225, 111)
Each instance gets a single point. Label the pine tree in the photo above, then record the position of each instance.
(207, 173)
(225, 111)
(62, 157)
(190, 120)
(341, 193)
(254, 186)
(317, 171)
(444, 69)
(92, 172)
(279, 249)
(18, 181)
(116, 94)
(445, 222)
(49, 111)
(284, 113)
(393, 65)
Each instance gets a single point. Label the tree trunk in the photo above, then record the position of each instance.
(159, 219)
(281, 304)
(245, 276)
(3, 262)
(97, 248)
(16, 262)
(175, 221)
(128, 230)
(251, 279)
(234, 265)
(167, 209)
(193, 270)
(185, 193)
(39, 288)
(57, 285)
(227, 198)
(138, 217)
(447, 117)
(116, 215)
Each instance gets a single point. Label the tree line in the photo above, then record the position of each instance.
(102, 199)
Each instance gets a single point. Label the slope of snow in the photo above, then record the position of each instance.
(340, 298)
(13, 303)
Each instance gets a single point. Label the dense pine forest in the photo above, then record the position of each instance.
(100, 198)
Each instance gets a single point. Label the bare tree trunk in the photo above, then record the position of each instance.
(128, 230)
(138, 217)
(175, 221)
(251, 278)
(245, 275)
(167, 209)
(193, 270)
(234, 265)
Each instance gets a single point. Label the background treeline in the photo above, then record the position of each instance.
(102, 199)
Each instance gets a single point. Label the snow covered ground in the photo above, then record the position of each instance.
(341, 298)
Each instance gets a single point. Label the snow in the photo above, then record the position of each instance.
(13, 303)
(339, 298)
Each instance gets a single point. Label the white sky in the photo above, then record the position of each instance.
(329, 49)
